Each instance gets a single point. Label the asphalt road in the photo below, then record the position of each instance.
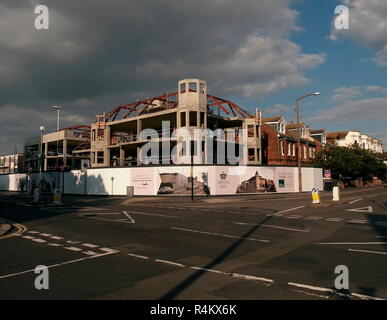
(227, 248)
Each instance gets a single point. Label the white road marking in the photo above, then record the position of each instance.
(311, 294)
(272, 226)
(89, 245)
(270, 281)
(108, 250)
(374, 195)
(138, 256)
(129, 217)
(335, 219)
(247, 277)
(355, 200)
(90, 253)
(219, 234)
(39, 240)
(154, 214)
(362, 209)
(56, 265)
(357, 221)
(27, 237)
(33, 232)
(73, 248)
(363, 296)
(170, 262)
(209, 270)
(351, 243)
(313, 218)
(55, 244)
(72, 242)
(367, 251)
(97, 213)
(305, 286)
(291, 209)
(293, 217)
(46, 234)
(57, 238)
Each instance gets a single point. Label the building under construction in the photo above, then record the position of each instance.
(116, 138)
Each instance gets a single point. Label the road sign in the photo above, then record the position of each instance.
(85, 164)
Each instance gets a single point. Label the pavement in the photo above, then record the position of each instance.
(239, 247)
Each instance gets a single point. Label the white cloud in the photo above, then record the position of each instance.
(365, 109)
(346, 93)
(278, 109)
(367, 26)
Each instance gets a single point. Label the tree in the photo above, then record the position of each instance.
(352, 162)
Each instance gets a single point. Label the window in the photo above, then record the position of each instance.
(193, 87)
(193, 148)
(250, 131)
(193, 119)
(202, 86)
(305, 154)
(257, 131)
(310, 153)
(182, 87)
(182, 119)
(289, 149)
(294, 150)
(183, 148)
(202, 119)
(258, 154)
(100, 157)
(282, 148)
(251, 154)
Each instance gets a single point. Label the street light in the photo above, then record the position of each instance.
(57, 135)
(41, 157)
(57, 143)
(299, 138)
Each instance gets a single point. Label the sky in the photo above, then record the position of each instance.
(259, 53)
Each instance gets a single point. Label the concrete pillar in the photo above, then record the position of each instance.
(45, 146)
(138, 156)
(122, 156)
(64, 151)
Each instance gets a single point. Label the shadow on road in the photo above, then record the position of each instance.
(198, 274)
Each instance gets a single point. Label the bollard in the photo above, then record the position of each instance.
(57, 197)
(336, 194)
(36, 195)
(315, 196)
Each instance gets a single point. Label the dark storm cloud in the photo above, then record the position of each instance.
(99, 54)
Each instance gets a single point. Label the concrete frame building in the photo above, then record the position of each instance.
(117, 137)
(57, 149)
(11, 163)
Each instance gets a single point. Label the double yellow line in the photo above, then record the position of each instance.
(19, 230)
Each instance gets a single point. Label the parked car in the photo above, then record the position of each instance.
(166, 190)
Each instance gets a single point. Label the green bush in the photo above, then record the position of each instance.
(352, 162)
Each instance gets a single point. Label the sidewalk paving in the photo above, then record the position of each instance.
(83, 200)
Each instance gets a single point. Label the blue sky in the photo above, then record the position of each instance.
(348, 64)
(260, 53)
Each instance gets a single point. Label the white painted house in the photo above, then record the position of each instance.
(355, 137)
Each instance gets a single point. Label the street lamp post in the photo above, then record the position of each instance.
(41, 158)
(299, 137)
(57, 135)
(57, 144)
